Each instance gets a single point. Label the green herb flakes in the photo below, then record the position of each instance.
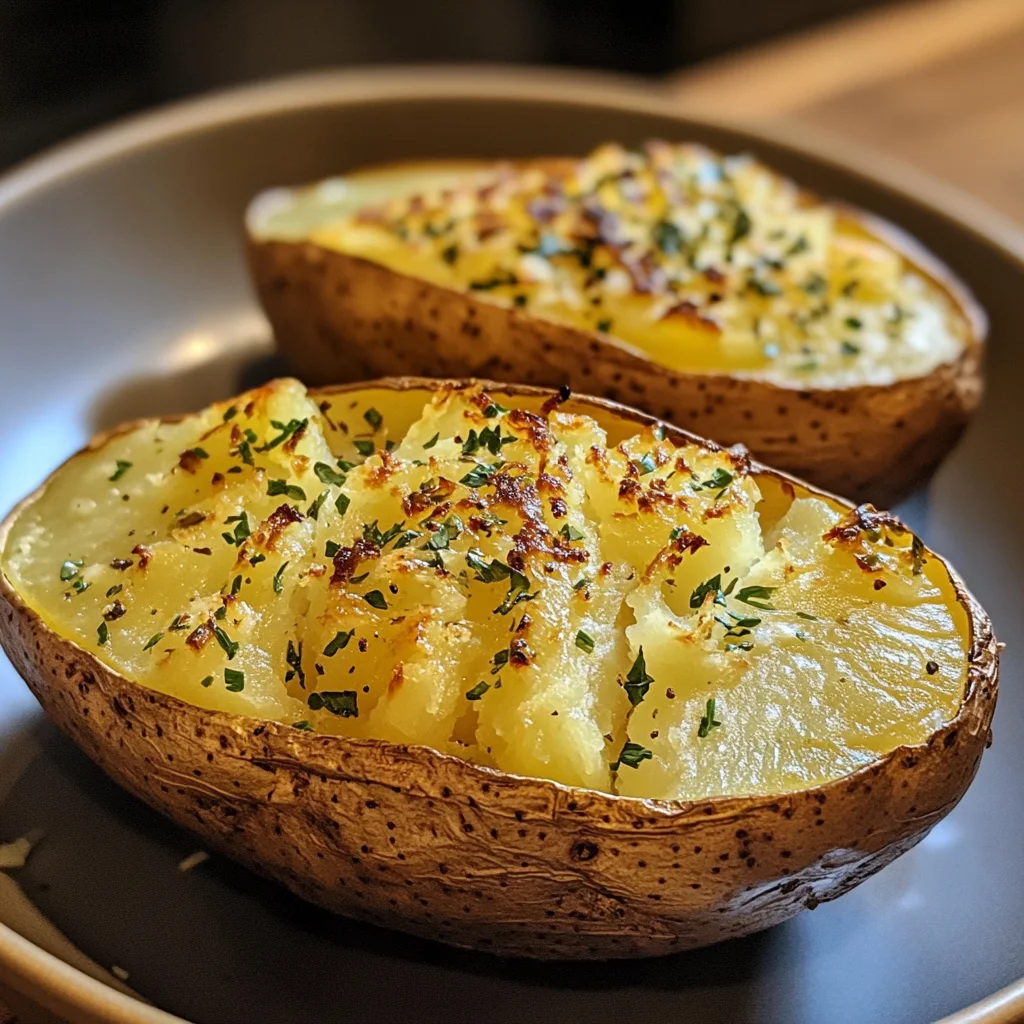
(122, 468)
(478, 691)
(277, 488)
(638, 682)
(339, 643)
(279, 579)
(328, 474)
(585, 642)
(343, 703)
(375, 599)
(234, 680)
(153, 641)
(631, 756)
(708, 722)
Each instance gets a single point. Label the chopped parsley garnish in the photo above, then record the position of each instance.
(647, 464)
(339, 643)
(373, 417)
(328, 474)
(494, 282)
(849, 349)
(478, 691)
(492, 410)
(711, 586)
(230, 413)
(178, 622)
(764, 287)
(708, 722)
(294, 659)
(406, 538)
(718, 481)
(570, 532)
(799, 245)
(440, 538)
(287, 430)
(740, 226)
(638, 682)
(79, 586)
(478, 475)
(667, 237)
(153, 641)
(304, 726)
(241, 531)
(115, 589)
(221, 613)
(659, 432)
(756, 597)
(372, 534)
(581, 583)
(314, 510)
(230, 646)
(432, 441)
(234, 680)
(604, 326)
(585, 642)
(282, 487)
(236, 585)
(815, 285)
(122, 468)
(102, 634)
(206, 681)
(808, 616)
(450, 254)
(279, 578)
(486, 572)
(517, 591)
(364, 447)
(331, 548)
(342, 504)
(343, 703)
(69, 570)
(375, 599)
(632, 754)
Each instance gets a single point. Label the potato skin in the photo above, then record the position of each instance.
(342, 318)
(408, 838)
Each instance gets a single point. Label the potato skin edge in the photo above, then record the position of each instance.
(408, 838)
(340, 318)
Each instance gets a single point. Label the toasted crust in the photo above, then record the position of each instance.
(342, 318)
(409, 838)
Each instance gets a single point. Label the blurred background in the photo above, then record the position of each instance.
(937, 82)
(66, 65)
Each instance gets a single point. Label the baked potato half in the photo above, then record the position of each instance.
(706, 290)
(511, 669)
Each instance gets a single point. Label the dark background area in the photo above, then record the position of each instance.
(66, 65)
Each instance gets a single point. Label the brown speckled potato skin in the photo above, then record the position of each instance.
(343, 318)
(408, 838)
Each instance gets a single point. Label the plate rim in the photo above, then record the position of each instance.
(50, 981)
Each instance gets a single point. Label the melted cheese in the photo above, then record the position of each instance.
(705, 263)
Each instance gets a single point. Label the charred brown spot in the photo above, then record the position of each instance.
(558, 508)
(519, 653)
(430, 493)
(200, 636)
(192, 519)
(189, 461)
(121, 564)
(348, 559)
(145, 555)
(114, 612)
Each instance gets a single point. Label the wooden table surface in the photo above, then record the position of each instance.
(937, 83)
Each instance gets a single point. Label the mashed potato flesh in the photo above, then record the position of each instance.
(502, 581)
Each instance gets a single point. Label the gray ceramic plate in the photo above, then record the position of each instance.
(124, 293)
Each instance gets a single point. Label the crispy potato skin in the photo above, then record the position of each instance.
(411, 839)
(342, 318)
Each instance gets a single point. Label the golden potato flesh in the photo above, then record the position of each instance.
(500, 578)
(702, 263)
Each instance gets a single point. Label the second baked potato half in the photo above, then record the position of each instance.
(707, 290)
